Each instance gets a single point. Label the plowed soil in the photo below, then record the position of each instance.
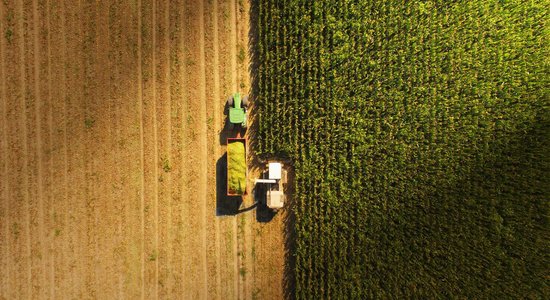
(111, 117)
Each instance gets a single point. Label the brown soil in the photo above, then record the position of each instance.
(111, 153)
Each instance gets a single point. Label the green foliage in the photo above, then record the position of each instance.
(242, 55)
(9, 35)
(89, 123)
(420, 136)
(236, 167)
(166, 165)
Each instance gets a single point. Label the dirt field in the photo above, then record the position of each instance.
(110, 120)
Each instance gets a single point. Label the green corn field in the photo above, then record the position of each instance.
(419, 133)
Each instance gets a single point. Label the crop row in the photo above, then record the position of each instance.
(418, 131)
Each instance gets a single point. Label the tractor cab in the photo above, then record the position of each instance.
(237, 110)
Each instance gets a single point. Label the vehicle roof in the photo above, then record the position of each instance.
(236, 115)
(274, 170)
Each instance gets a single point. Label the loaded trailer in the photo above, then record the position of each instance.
(236, 166)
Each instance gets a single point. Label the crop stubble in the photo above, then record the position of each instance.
(110, 121)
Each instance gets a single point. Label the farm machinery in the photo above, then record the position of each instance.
(274, 181)
(236, 145)
(236, 166)
(237, 110)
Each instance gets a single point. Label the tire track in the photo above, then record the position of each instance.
(150, 150)
(51, 150)
(66, 285)
(187, 171)
(203, 183)
(142, 146)
(103, 220)
(4, 184)
(129, 145)
(93, 121)
(178, 192)
(50, 220)
(88, 242)
(32, 104)
(196, 147)
(75, 205)
(116, 138)
(168, 150)
(163, 145)
(56, 123)
(155, 159)
(5, 286)
(25, 168)
(13, 161)
(26, 273)
(212, 109)
(114, 57)
(41, 144)
(80, 155)
(218, 123)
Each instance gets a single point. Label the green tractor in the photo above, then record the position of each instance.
(237, 110)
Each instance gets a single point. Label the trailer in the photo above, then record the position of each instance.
(237, 170)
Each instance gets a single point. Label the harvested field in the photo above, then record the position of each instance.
(111, 114)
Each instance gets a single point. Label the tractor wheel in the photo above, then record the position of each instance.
(245, 101)
(230, 101)
(230, 125)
